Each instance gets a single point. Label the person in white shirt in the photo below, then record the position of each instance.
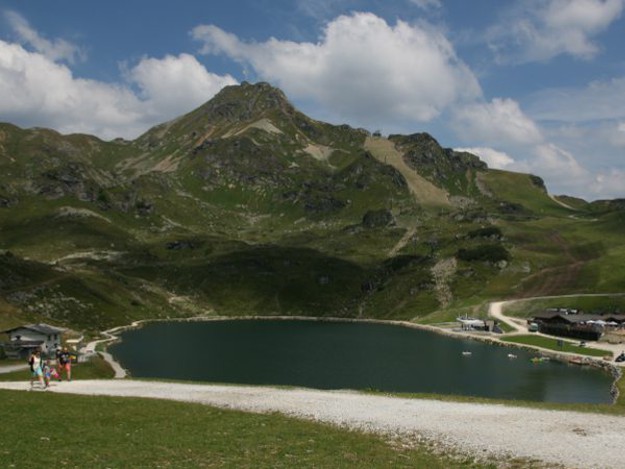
(36, 369)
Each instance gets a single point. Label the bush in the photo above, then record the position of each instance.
(490, 231)
(378, 219)
(485, 252)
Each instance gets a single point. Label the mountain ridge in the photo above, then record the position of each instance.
(247, 206)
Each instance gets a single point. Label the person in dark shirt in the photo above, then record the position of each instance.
(65, 363)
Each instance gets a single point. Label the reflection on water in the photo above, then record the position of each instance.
(349, 355)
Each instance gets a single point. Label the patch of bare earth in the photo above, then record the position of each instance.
(442, 274)
(423, 190)
(553, 280)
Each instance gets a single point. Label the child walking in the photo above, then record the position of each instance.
(49, 373)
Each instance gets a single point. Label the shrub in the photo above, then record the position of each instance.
(490, 231)
(484, 252)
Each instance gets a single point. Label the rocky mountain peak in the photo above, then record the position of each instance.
(245, 102)
(228, 112)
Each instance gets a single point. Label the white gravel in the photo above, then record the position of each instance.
(570, 439)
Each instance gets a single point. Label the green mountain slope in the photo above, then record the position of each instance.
(247, 206)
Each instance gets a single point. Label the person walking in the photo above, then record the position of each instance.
(36, 369)
(49, 372)
(65, 364)
(59, 351)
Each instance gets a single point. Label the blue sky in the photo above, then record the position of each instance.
(529, 85)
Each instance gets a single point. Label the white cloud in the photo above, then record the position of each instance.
(526, 149)
(494, 158)
(501, 121)
(590, 16)
(320, 9)
(608, 185)
(538, 30)
(554, 161)
(617, 136)
(427, 4)
(36, 91)
(563, 173)
(362, 69)
(597, 101)
(175, 84)
(55, 50)
(590, 121)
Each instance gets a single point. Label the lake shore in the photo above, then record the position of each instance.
(613, 368)
(491, 432)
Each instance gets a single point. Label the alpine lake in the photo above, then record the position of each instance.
(351, 355)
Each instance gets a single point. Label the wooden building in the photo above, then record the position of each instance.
(576, 325)
(24, 339)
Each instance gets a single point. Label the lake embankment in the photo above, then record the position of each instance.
(488, 431)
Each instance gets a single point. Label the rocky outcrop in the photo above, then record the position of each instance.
(442, 166)
(443, 273)
(378, 219)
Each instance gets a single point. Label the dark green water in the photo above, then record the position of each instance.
(347, 355)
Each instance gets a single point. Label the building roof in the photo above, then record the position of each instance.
(470, 321)
(614, 317)
(579, 318)
(41, 328)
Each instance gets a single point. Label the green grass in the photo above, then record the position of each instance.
(552, 344)
(107, 432)
(276, 266)
(587, 304)
(505, 327)
(519, 188)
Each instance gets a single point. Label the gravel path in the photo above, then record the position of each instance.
(12, 368)
(571, 439)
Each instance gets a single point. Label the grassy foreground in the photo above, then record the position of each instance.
(111, 432)
(97, 432)
(83, 431)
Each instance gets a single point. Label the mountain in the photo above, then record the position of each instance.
(246, 206)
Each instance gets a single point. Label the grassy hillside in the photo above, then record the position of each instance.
(247, 206)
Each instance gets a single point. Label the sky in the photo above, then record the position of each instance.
(535, 86)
